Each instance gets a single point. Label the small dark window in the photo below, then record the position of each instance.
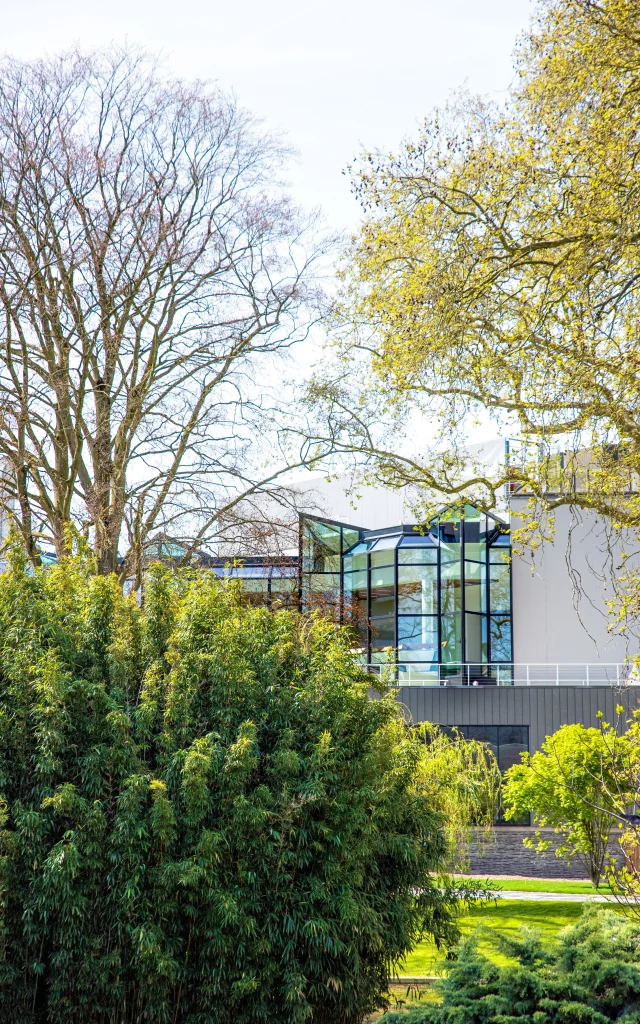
(507, 743)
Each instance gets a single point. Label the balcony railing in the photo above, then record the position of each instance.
(501, 674)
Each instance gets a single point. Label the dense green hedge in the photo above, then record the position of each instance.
(591, 976)
(205, 818)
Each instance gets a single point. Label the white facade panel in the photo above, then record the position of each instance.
(560, 594)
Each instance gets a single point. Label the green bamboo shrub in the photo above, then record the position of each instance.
(204, 816)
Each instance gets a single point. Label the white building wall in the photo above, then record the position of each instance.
(560, 594)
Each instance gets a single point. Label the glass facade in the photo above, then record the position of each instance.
(274, 585)
(322, 546)
(436, 601)
(440, 598)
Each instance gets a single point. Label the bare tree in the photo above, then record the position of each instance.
(150, 267)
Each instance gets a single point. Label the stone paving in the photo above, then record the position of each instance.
(557, 897)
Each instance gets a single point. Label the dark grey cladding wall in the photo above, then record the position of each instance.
(543, 708)
(506, 854)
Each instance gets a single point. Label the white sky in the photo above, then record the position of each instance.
(333, 76)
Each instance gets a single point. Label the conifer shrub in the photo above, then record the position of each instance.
(204, 815)
(590, 976)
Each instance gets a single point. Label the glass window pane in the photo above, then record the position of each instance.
(451, 640)
(383, 602)
(514, 734)
(476, 639)
(355, 599)
(500, 632)
(321, 543)
(418, 590)
(349, 538)
(284, 584)
(350, 562)
(450, 590)
(254, 586)
(501, 588)
(355, 582)
(321, 591)
(426, 654)
(249, 571)
(417, 556)
(425, 674)
(382, 556)
(383, 592)
(382, 578)
(384, 543)
(512, 741)
(449, 540)
(418, 632)
(501, 556)
(284, 591)
(383, 633)
(482, 733)
(475, 587)
(325, 582)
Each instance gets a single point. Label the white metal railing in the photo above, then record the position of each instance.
(617, 674)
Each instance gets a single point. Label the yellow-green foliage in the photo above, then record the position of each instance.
(578, 784)
(204, 817)
(497, 268)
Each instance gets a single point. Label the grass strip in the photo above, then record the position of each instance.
(506, 917)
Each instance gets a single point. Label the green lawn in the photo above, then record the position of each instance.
(506, 917)
(539, 885)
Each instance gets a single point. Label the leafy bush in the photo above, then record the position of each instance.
(592, 976)
(575, 784)
(205, 818)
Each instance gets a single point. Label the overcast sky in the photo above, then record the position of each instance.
(333, 76)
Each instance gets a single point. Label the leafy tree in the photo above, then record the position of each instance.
(205, 818)
(573, 785)
(498, 268)
(462, 781)
(592, 975)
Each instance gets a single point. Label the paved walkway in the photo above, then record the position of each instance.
(557, 897)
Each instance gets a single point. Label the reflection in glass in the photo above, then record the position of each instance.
(321, 546)
(255, 591)
(383, 553)
(357, 557)
(451, 639)
(383, 591)
(383, 601)
(322, 591)
(500, 588)
(417, 632)
(383, 632)
(325, 582)
(284, 590)
(419, 578)
(450, 590)
(418, 590)
(500, 556)
(449, 540)
(355, 596)
(417, 556)
(475, 587)
(349, 538)
(382, 578)
(500, 633)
